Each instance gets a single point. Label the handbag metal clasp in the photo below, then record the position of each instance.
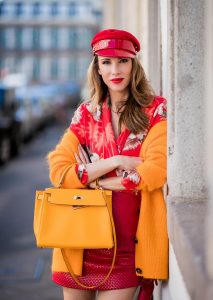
(76, 206)
(79, 206)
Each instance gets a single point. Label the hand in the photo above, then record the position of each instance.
(127, 162)
(92, 185)
(82, 157)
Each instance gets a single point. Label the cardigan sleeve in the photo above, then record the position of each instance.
(153, 153)
(61, 158)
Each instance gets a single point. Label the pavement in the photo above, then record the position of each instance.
(25, 270)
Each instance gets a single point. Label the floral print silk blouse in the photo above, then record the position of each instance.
(95, 133)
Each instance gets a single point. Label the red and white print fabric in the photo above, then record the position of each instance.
(94, 131)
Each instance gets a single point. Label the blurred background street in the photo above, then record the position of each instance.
(24, 269)
(44, 56)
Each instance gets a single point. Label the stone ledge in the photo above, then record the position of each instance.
(186, 225)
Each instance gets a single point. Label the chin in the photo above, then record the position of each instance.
(118, 88)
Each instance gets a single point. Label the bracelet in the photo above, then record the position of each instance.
(98, 186)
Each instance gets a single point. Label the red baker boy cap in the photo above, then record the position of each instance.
(115, 43)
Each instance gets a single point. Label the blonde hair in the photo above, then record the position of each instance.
(141, 94)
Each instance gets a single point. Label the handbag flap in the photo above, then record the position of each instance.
(77, 197)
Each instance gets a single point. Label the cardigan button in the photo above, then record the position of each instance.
(138, 270)
(135, 240)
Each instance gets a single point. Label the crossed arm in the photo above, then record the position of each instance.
(151, 165)
(103, 166)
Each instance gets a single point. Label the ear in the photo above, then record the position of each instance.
(99, 72)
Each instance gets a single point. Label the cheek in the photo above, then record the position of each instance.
(130, 70)
(127, 70)
(103, 72)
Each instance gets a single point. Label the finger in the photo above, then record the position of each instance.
(82, 157)
(83, 154)
(77, 158)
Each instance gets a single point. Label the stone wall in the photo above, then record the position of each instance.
(177, 46)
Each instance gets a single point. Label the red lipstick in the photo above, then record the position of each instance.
(117, 80)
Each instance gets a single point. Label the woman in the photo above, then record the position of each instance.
(117, 141)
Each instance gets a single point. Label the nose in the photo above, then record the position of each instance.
(115, 69)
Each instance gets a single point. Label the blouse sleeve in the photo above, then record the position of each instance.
(82, 173)
(130, 179)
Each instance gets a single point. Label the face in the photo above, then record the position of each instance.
(115, 72)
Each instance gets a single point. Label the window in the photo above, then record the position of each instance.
(6, 10)
(54, 69)
(84, 37)
(36, 38)
(63, 68)
(19, 34)
(54, 38)
(83, 63)
(2, 9)
(36, 9)
(45, 38)
(98, 15)
(72, 9)
(63, 38)
(9, 38)
(1, 64)
(54, 9)
(17, 64)
(2, 38)
(36, 69)
(73, 69)
(72, 38)
(19, 8)
(45, 63)
(27, 38)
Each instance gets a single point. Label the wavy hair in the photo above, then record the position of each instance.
(141, 94)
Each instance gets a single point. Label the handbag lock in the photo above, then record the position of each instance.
(78, 197)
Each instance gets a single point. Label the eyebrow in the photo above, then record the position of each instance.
(104, 58)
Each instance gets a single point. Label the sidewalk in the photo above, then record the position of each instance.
(25, 270)
(28, 276)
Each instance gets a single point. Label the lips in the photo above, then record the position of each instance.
(117, 80)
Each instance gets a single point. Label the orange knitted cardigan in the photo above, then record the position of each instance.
(151, 252)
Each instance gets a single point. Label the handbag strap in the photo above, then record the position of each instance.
(69, 267)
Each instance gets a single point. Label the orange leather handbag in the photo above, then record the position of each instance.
(74, 219)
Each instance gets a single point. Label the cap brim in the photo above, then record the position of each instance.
(114, 53)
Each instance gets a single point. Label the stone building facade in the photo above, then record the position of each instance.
(177, 54)
(48, 40)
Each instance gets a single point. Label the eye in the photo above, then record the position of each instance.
(124, 60)
(105, 62)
